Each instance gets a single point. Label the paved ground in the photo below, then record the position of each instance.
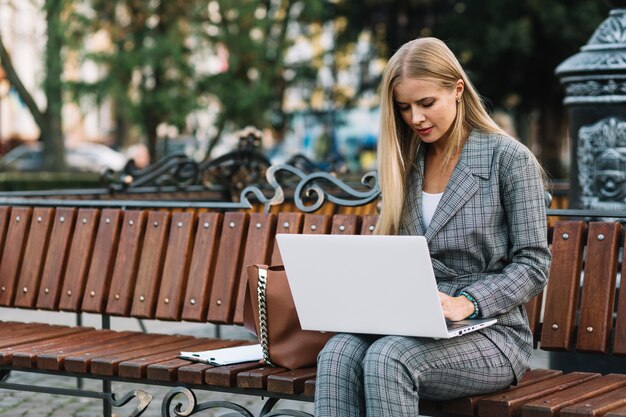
(25, 404)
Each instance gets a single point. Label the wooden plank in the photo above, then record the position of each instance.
(34, 257)
(126, 263)
(176, 267)
(56, 259)
(346, 224)
(287, 223)
(5, 217)
(598, 294)
(192, 374)
(468, 406)
(150, 265)
(510, 403)
(13, 254)
(619, 342)
(309, 388)
(563, 285)
(316, 224)
(533, 309)
(368, 225)
(101, 268)
(258, 247)
(291, 382)
(226, 376)
(603, 405)
(202, 268)
(618, 412)
(257, 378)
(25, 356)
(228, 268)
(80, 253)
(551, 405)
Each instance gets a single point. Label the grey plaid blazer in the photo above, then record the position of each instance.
(488, 235)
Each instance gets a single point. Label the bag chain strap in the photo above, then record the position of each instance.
(263, 333)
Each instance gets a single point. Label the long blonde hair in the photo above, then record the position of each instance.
(423, 58)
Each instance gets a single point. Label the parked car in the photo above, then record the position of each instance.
(86, 157)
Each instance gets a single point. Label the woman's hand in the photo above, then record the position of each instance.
(456, 308)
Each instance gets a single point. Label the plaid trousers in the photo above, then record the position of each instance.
(373, 376)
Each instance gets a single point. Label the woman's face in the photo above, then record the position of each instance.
(426, 107)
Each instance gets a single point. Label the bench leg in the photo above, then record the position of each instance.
(269, 405)
(192, 406)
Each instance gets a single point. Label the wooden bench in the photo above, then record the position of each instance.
(188, 266)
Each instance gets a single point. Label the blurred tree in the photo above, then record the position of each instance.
(49, 120)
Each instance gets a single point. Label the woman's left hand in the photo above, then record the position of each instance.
(456, 308)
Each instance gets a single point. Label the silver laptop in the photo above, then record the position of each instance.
(367, 284)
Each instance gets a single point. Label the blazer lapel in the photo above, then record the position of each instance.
(412, 211)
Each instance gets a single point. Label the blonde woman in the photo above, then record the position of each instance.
(449, 173)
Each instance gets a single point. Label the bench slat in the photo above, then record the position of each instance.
(104, 253)
(5, 217)
(79, 258)
(226, 376)
(533, 309)
(346, 224)
(126, 263)
(228, 268)
(13, 253)
(598, 294)
(259, 244)
(287, 223)
(257, 378)
(563, 286)
(25, 355)
(291, 382)
(368, 224)
(598, 406)
(619, 343)
(150, 265)
(178, 255)
(316, 224)
(34, 254)
(510, 403)
(35, 334)
(56, 259)
(190, 374)
(618, 412)
(552, 404)
(202, 267)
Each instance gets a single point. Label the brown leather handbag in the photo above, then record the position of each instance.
(270, 313)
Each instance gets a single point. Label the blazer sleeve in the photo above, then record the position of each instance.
(522, 196)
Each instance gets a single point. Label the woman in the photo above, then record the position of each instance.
(447, 172)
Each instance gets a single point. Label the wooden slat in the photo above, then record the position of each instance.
(346, 224)
(618, 412)
(13, 253)
(56, 259)
(316, 224)
(34, 257)
(257, 378)
(150, 265)
(468, 406)
(228, 268)
(202, 268)
(25, 355)
(603, 405)
(551, 405)
(287, 223)
(101, 268)
(598, 294)
(259, 244)
(192, 374)
(619, 342)
(368, 224)
(309, 388)
(42, 332)
(291, 382)
(533, 309)
(563, 286)
(5, 216)
(126, 263)
(226, 376)
(175, 270)
(510, 403)
(80, 253)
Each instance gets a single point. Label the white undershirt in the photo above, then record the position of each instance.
(429, 204)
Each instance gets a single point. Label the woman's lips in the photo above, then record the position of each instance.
(424, 131)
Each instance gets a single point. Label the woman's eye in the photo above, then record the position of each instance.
(428, 103)
(404, 108)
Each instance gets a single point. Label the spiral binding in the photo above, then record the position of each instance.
(263, 331)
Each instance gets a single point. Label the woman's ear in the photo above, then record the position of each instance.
(459, 88)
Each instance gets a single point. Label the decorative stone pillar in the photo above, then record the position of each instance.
(595, 85)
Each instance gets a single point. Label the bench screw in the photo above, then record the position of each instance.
(17, 219)
(166, 300)
(565, 236)
(3, 289)
(555, 326)
(92, 293)
(142, 298)
(84, 220)
(286, 225)
(131, 223)
(219, 302)
(258, 225)
(62, 219)
(107, 220)
(206, 225)
(372, 227)
(155, 224)
(313, 227)
(39, 219)
(589, 329)
(180, 224)
(342, 228)
(117, 296)
(600, 236)
(46, 290)
(69, 293)
(192, 301)
(231, 225)
(25, 289)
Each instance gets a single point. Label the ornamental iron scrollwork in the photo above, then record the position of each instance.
(268, 411)
(602, 164)
(192, 407)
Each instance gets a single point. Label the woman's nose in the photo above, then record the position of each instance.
(417, 116)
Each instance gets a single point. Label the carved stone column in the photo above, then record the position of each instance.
(595, 85)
